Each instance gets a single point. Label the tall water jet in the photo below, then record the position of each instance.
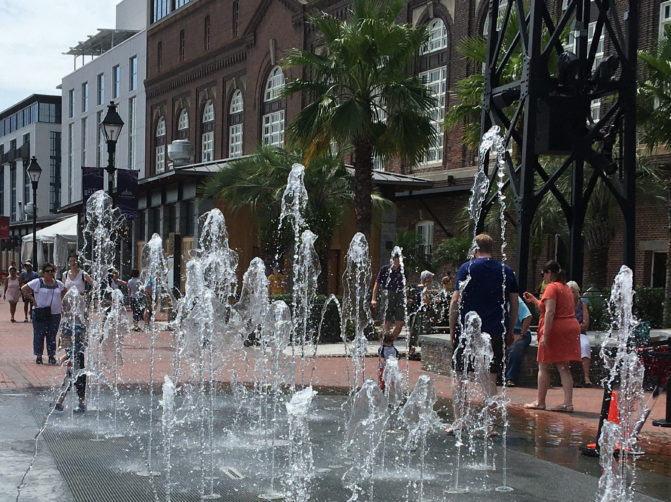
(420, 418)
(364, 436)
(301, 469)
(355, 304)
(273, 371)
(102, 227)
(305, 275)
(155, 277)
(219, 260)
(117, 325)
(471, 408)
(624, 367)
(167, 428)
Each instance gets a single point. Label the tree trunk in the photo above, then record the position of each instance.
(363, 175)
(667, 286)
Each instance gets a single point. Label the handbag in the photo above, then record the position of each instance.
(42, 314)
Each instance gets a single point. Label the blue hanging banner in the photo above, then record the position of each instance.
(93, 179)
(126, 198)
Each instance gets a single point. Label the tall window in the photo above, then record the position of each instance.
(436, 81)
(235, 125)
(84, 124)
(161, 9)
(160, 138)
(183, 124)
(437, 37)
(26, 187)
(274, 84)
(54, 170)
(132, 73)
(206, 33)
(159, 56)
(235, 17)
(664, 18)
(12, 196)
(207, 138)
(424, 231)
(273, 108)
(116, 81)
(182, 45)
(70, 159)
(85, 97)
(100, 139)
(101, 90)
(132, 120)
(71, 103)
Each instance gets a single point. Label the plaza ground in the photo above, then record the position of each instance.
(20, 374)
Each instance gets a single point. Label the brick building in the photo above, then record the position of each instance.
(212, 94)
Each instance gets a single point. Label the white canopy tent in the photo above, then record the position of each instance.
(54, 243)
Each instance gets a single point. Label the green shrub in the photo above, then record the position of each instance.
(649, 305)
(330, 329)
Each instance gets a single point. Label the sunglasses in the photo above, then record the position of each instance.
(49, 271)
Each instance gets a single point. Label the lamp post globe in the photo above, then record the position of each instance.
(111, 128)
(34, 172)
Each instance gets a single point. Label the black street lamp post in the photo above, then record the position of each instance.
(111, 126)
(34, 171)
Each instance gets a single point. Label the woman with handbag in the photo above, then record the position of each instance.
(46, 294)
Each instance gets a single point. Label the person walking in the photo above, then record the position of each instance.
(75, 277)
(390, 282)
(558, 336)
(137, 298)
(492, 293)
(582, 315)
(24, 278)
(12, 291)
(46, 293)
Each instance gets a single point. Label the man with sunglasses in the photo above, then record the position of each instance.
(46, 294)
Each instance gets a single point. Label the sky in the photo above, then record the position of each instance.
(35, 34)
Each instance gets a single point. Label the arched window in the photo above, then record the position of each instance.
(274, 84)
(435, 78)
(437, 37)
(183, 125)
(235, 125)
(273, 109)
(207, 136)
(160, 140)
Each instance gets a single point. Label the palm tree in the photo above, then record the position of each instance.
(259, 180)
(362, 94)
(654, 119)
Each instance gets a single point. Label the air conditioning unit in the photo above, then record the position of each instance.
(180, 152)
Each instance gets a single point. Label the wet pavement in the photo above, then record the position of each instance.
(545, 435)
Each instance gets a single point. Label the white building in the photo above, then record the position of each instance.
(115, 73)
(31, 127)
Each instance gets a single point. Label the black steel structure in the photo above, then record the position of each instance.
(539, 92)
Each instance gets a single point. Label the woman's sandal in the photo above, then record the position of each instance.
(563, 408)
(534, 406)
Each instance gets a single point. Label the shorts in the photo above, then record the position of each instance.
(495, 367)
(585, 349)
(395, 306)
(137, 306)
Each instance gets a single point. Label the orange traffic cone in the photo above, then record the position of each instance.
(613, 412)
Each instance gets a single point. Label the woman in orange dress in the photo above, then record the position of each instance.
(558, 336)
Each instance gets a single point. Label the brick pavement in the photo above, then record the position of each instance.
(18, 371)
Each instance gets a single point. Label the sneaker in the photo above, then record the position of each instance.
(38, 360)
(52, 360)
(58, 407)
(80, 409)
(25, 320)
